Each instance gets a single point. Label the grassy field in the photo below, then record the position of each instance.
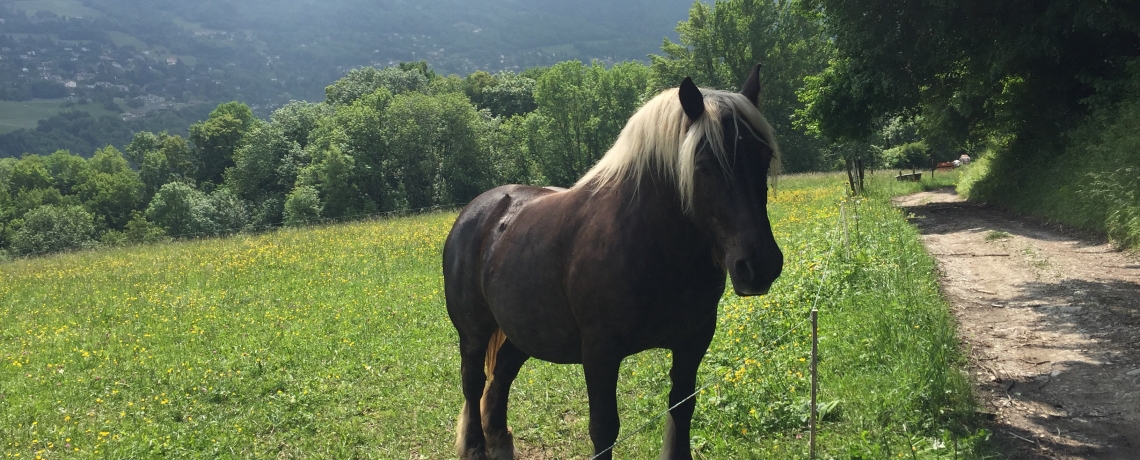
(25, 114)
(334, 342)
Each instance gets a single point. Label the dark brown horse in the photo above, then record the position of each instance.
(632, 257)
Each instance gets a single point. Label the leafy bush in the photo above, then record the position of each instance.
(52, 228)
(230, 213)
(907, 156)
(1093, 183)
(114, 238)
(182, 210)
(139, 230)
(302, 205)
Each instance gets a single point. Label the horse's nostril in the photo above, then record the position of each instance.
(744, 269)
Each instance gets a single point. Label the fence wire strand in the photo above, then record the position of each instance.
(840, 221)
(257, 229)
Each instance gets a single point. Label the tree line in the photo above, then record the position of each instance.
(1044, 93)
(406, 137)
(396, 138)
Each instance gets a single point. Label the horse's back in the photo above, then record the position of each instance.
(470, 237)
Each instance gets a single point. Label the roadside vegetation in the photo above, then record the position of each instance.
(1045, 101)
(1092, 184)
(334, 341)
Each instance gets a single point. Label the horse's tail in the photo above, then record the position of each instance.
(493, 346)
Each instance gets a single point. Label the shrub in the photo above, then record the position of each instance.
(182, 210)
(302, 205)
(907, 156)
(114, 238)
(230, 213)
(52, 228)
(139, 230)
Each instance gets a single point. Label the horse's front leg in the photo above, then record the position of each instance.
(677, 424)
(601, 368)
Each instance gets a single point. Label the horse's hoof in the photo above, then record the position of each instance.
(473, 454)
(502, 447)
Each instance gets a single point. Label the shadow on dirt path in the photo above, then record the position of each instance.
(1051, 324)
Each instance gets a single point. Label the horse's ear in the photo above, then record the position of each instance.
(691, 99)
(751, 89)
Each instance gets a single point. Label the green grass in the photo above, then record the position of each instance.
(70, 8)
(995, 235)
(334, 342)
(25, 114)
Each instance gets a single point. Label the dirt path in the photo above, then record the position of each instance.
(1051, 324)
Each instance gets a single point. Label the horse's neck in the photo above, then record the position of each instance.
(652, 204)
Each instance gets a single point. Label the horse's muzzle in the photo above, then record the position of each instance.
(755, 276)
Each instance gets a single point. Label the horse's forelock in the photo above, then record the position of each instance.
(660, 138)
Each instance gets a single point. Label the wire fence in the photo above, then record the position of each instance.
(840, 225)
(254, 228)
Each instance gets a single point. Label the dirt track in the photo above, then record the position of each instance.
(1051, 323)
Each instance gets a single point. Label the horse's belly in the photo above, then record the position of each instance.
(535, 319)
(539, 325)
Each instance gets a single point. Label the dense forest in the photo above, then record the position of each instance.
(408, 137)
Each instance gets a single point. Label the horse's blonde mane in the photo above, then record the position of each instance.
(660, 136)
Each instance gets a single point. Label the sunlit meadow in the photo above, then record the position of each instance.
(334, 342)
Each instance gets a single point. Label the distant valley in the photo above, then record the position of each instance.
(125, 65)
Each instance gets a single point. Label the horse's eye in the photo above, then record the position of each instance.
(704, 166)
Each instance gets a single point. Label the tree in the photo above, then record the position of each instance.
(303, 206)
(216, 139)
(139, 230)
(230, 213)
(67, 171)
(366, 80)
(510, 146)
(719, 45)
(434, 144)
(113, 190)
(583, 109)
(331, 174)
(972, 69)
(504, 95)
(52, 228)
(29, 173)
(181, 211)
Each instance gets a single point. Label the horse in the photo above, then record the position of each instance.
(632, 257)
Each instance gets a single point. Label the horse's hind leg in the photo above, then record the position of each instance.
(508, 360)
(469, 442)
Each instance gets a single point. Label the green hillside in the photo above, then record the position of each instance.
(26, 114)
